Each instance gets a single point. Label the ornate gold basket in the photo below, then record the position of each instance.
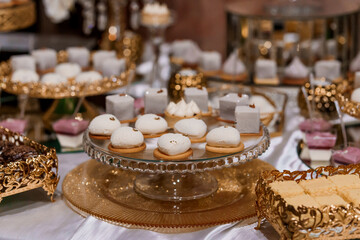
(329, 222)
(71, 89)
(23, 175)
(17, 15)
(344, 99)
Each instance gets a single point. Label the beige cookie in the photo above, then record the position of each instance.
(225, 149)
(127, 150)
(181, 156)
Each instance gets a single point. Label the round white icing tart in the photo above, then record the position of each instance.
(173, 146)
(89, 76)
(127, 140)
(193, 128)
(24, 76)
(151, 124)
(224, 140)
(53, 79)
(68, 70)
(355, 96)
(101, 127)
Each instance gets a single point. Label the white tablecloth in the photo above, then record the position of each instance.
(31, 215)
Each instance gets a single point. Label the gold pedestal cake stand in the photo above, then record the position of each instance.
(138, 190)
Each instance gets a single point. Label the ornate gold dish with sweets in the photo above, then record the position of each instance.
(23, 175)
(140, 190)
(344, 98)
(17, 15)
(329, 222)
(70, 89)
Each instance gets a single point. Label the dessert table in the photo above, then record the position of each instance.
(31, 215)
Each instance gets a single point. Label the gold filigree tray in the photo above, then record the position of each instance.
(344, 98)
(108, 194)
(23, 175)
(329, 222)
(70, 89)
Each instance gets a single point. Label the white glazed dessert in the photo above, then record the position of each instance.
(193, 128)
(100, 56)
(121, 106)
(53, 79)
(228, 104)
(210, 61)
(155, 14)
(173, 146)
(102, 126)
(266, 72)
(330, 69)
(247, 119)
(233, 64)
(79, 55)
(296, 69)
(224, 140)
(88, 77)
(186, 50)
(355, 96)
(24, 76)
(113, 67)
(199, 96)
(151, 125)
(68, 70)
(127, 140)
(45, 58)
(181, 110)
(23, 62)
(156, 100)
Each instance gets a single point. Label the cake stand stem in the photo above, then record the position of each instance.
(176, 187)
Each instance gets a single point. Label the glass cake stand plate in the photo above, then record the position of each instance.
(170, 180)
(108, 194)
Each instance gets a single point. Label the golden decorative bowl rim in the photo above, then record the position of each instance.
(39, 90)
(304, 222)
(34, 172)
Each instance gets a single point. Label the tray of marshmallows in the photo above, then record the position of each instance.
(176, 131)
(46, 73)
(320, 203)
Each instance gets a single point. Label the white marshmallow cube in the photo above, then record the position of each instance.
(247, 119)
(121, 106)
(156, 100)
(229, 102)
(199, 96)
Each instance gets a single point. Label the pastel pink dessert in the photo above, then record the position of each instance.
(15, 125)
(320, 144)
(349, 155)
(318, 125)
(70, 132)
(70, 126)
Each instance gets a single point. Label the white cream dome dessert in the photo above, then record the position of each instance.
(193, 128)
(24, 76)
(68, 70)
(355, 96)
(181, 110)
(103, 126)
(173, 146)
(127, 140)
(224, 139)
(151, 125)
(53, 79)
(88, 77)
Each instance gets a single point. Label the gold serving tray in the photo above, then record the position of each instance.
(24, 175)
(344, 99)
(329, 222)
(70, 89)
(107, 193)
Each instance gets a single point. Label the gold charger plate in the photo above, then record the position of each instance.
(107, 193)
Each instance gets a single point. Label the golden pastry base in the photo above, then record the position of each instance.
(267, 81)
(224, 76)
(108, 194)
(295, 81)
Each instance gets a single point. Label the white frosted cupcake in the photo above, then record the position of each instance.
(68, 70)
(127, 140)
(224, 140)
(25, 76)
(102, 126)
(173, 146)
(193, 128)
(151, 125)
(53, 79)
(88, 77)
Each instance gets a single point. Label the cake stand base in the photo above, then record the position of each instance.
(108, 194)
(176, 187)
